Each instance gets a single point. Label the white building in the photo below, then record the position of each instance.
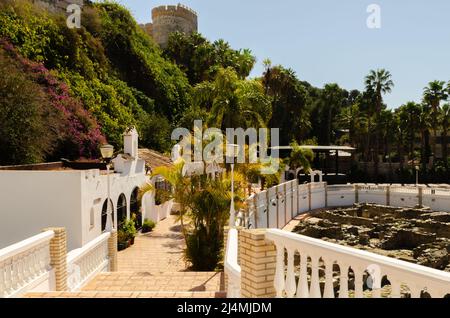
(39, 196)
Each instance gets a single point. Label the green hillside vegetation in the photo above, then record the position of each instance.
(96, 81)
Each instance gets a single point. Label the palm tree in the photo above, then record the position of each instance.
(424, 125)
(433, 94)
(233, 102)
(352, 119)
(445, 123)
(182, 188)
(379, 83)
(300, 158)
(332, 98)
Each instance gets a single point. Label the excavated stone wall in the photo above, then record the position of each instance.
(417, 235)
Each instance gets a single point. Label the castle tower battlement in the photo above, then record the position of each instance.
(168, 19)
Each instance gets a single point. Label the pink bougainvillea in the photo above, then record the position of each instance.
(80, 129)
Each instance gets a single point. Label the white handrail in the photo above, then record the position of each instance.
(25, 245)
(416, 277)
(25, 265)
(85, 262)
(232, 268)
(78, 253)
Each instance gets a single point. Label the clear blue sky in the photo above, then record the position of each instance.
(328, 41)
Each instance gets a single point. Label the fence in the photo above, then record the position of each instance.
(41, 263)
(319, 261)
(275, 207)
(25, 266)
(86, 262)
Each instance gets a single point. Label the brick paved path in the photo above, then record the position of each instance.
(152, 268)
(156, 252)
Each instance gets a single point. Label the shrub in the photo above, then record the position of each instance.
(148, 226)
(130, 229)
(27, 129)
(122, 240)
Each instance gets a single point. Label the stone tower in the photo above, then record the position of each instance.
(169, 19)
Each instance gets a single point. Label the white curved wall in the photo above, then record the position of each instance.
(276, 206)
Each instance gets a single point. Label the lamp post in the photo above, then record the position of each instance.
(232, 153)
(107, 152)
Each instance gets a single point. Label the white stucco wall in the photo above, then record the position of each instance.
(34, 200)
(94, 194)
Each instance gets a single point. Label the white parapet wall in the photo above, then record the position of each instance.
(86, 262)
(315, 253)
(275, 207)
(25, 266)
(232, 268)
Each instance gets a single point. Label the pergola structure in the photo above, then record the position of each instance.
(336, 151)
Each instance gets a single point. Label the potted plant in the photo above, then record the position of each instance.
(130, 231)
(122, 240)
(148, 226)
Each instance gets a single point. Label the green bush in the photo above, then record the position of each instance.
(148, 226)
(27, 129)
(130, 229)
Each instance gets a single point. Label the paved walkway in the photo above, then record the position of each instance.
(127, 295)
(157, 252)
(167, 282)
(152, 268)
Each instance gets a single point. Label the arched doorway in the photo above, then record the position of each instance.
(105, 213)
(134, 208)
(121, 210)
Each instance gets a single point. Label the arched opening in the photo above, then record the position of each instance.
(134, 208)
(121, 210)
(105, 213)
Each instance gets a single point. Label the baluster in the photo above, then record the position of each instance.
(14, 274)
(359, 283)
(315, 283)
(27, 269)
(8, 277)
(36, 268)
(302, 289)
(279, 272)
(44, 260)
(20, 271)
(290, 276)
(343, 281)
(2, 281)
(395, 288)
(329, 290)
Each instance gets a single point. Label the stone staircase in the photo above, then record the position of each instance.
(152, 267)
(146, 285)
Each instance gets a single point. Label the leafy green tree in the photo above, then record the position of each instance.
(201, 59)
(355, 121)
(444, 119)
(232, 102)
(300, 158)
(29, 124)
(139, 62)
(433, 94)
(332, 99)
(289, 103)
(378, 83)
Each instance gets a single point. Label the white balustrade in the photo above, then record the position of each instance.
(25, 265)
(232, 268)
(85, 262)
(291, 281)
(275, 207)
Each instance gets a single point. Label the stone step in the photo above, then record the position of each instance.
(127, 294)
(164, 282)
